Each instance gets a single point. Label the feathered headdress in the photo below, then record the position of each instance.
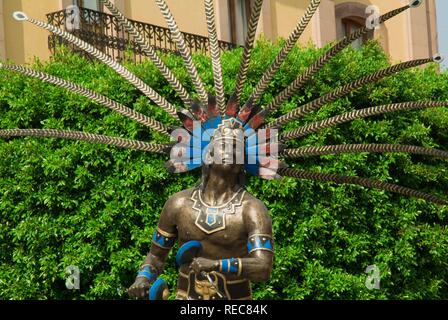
(204, 117)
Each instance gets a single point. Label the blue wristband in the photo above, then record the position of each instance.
(232, 265)
(147, 273)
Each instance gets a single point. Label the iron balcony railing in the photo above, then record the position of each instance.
(103, 31)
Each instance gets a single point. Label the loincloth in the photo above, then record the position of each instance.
(191, 287)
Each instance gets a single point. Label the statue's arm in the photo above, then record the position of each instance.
(164, 237)
(257, 266)
(163, 240)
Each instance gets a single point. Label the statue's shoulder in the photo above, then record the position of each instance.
(251, 204)
(180, 199)
(256, 215)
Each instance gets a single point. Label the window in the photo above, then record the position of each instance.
(350, 17)
(352, 24)
(88, 4)
(239, 13)
(89, 17)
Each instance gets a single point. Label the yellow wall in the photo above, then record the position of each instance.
(404, 37)
(23, 40)
(285, 16)
(189, 14)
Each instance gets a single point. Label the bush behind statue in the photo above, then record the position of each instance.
(65, 203)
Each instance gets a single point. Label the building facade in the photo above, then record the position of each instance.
(410, 35)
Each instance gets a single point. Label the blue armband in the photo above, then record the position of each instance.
(163, 239)
(260, 242)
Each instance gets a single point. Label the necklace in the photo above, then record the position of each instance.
(211, 219)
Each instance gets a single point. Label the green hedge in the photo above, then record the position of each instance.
(68, 203)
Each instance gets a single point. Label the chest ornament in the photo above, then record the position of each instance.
(211, 219)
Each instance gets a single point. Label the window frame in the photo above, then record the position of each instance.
(349, 17)
(234, 7)
(80, 3)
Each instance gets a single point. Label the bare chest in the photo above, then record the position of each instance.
(218, 229)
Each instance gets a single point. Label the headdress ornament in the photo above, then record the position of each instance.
(209, 117)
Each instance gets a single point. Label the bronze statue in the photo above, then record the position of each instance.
(232, 227)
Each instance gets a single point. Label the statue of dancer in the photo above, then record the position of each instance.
(233, 226)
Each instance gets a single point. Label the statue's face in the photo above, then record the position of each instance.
(227, 151)
(205, 289)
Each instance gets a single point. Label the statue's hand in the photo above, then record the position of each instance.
(201, 264)
(139, 288)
